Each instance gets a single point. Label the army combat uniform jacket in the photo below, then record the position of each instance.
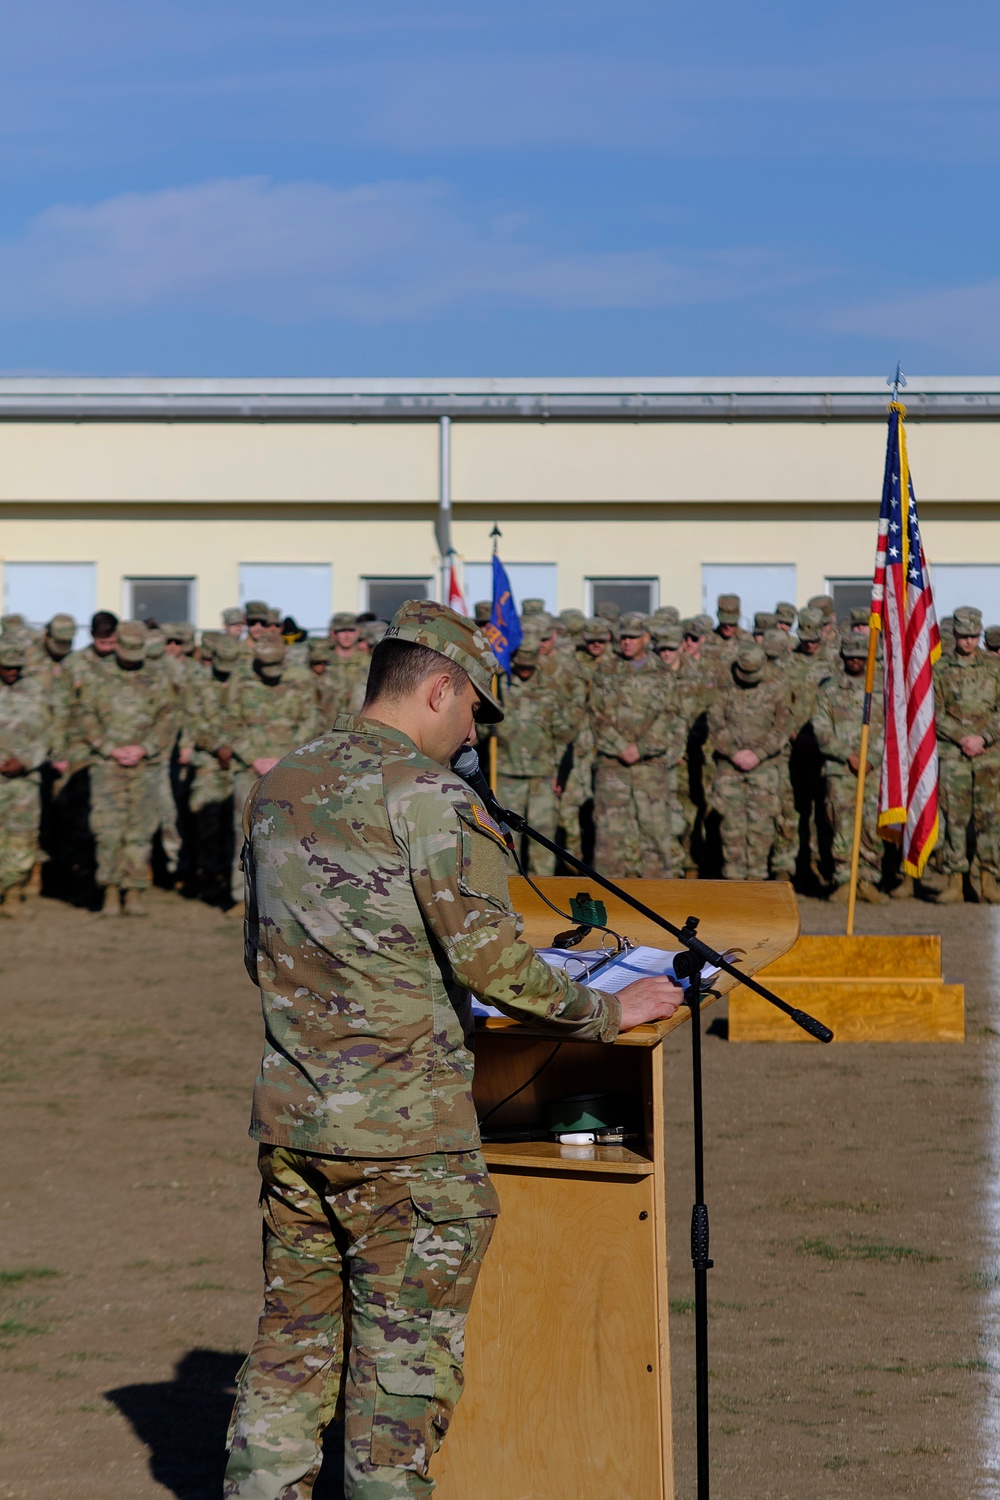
(379, 899)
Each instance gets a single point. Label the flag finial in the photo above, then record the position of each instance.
(495, 536)
(896, 381)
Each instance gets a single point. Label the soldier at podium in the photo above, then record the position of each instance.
(376, 900)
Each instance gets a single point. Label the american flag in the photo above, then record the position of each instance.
(903, 609)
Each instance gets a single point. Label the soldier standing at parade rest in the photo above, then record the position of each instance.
(748, 728)
(270, 713)
(531, 739)
(635, 799)
(728, 634)
(991, 640)
(376, 902)
(127, 720)
(837, 723)
(967, 706)
(25, 746)
(207, 718)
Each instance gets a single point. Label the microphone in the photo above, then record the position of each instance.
(466, 765)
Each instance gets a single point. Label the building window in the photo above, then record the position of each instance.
(383, 596)
(978, 584)
(303, 591)
(527, 581)
(632, 595)
(759, 586)
(848, 594)
(39, 590)
(165, 600)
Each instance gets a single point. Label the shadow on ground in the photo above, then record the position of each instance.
(183, 1423)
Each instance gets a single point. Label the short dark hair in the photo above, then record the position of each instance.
(397, 668)
(103, 624)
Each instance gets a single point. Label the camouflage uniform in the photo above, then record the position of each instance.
(269, 715)
(749, 713)
(530, 744)
(48, 661)
(803, 805)
(837, 721)
(25, 736)
(636, 809)
(121, 707)
(577, 801)
(967, 702)
(206, 722)
(376, 901)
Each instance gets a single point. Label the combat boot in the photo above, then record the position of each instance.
(840, 895)
(10, 904)
(871, 893)
(112, 903)
(952, 894)
(904, 890)
(132, 905)
(990, 889)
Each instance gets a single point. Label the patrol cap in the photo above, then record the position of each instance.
(269, 650)
(13, 650)
(706, 622)
(532, 606)
(749, 662)
(425, 623)
(526, 654)
(776, 644)
(373, 631)
(13, 622)
(319, 648)
(667, 614)
(728, 609)
(968, 621)
(61, 628)
(667, 637)
(228, 651)
(132, 635)
(824, 604)
(210, 641)
(992, 637)
(632, 625)
(273, 617)
(762, 621)
(542, 622)
(179, 632)
(256, 612)
(853, 646)
(693, 627)
(156, 644)
(810, 624)
(343, 620)
(573, 619)
(609, 610)
(596, 629)
(234, 616)
(785, 613)
(861, 614)
(483, 611)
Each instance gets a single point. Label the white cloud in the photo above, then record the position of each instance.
(371, 253)
(963, 320)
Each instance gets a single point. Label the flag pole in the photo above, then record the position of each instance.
(495, 534)
(859, 797)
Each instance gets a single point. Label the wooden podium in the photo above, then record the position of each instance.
(567, 1392)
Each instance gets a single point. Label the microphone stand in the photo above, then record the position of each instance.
(687, 968)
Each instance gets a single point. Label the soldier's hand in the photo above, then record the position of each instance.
(973, 745)
(60, 766)
(224, 754)
(854, 762)
(629, 755)
(265, 763)
(746, 760)
(128, 755)
(644, 1000)
(12, 766)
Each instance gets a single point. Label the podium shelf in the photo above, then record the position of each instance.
(550, 1156)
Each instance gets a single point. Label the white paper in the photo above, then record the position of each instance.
(599, 971)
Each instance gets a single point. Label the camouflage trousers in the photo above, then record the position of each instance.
(970, 802)
(170, 836)
(20, 815)
(841, 794)
(535, 799)
(578, 791)
(638, 819)
(369, 1270)
(124, 816)
(785, 855)
(748, 803)
(243, 783)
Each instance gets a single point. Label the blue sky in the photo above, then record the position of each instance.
(422, 187)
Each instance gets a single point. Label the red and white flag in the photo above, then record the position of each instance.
(456, 599)
(903, 609)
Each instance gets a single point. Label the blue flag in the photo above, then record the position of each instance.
(504, 630)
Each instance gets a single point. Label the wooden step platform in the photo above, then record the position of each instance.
(866, 989)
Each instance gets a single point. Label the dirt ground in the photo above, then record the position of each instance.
(854, 1226)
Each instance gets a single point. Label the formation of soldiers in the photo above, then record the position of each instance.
(654, 745)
